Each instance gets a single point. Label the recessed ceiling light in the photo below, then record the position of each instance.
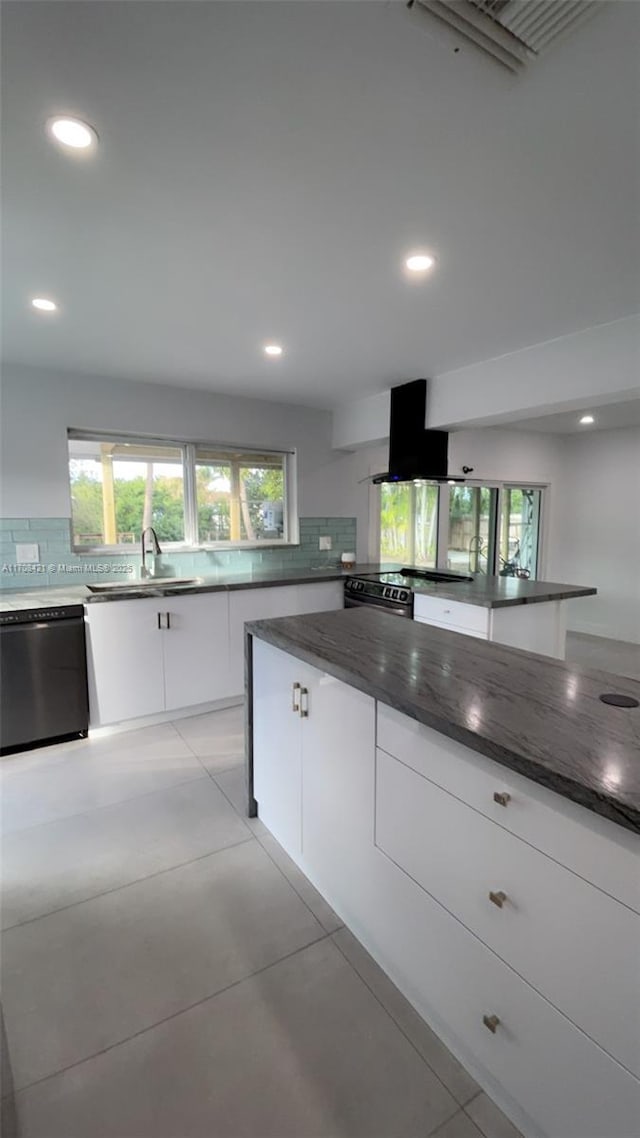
(272, 350)
(587, 419)
(73, 133)
(43, 304)
(419, 262)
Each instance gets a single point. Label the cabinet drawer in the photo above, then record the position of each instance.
(564, 1082)
(573, 943)
(430, 610)
(481, 635)
(596, 849)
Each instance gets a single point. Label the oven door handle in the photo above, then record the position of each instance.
(399, 610)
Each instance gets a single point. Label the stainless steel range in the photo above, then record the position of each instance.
(393, 591)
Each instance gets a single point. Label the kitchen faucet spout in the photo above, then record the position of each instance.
(155, 548)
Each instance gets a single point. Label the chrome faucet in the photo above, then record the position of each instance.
(155, 549)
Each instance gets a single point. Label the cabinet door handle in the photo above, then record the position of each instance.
(501, 797)
(295, 706)
(168, 616)
(304, 707)
(160, 620)
(498, 898)
(491, 1022)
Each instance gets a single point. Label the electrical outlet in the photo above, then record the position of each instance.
(27, 554)
(325, 543)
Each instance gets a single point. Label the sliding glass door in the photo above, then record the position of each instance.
(409, 523)
(469, 528)
(519, 531)
(472, 528)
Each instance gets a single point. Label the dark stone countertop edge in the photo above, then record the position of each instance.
(62, 595)
(608, 807)
(465, 594)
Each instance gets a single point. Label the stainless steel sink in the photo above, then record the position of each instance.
(147, 584)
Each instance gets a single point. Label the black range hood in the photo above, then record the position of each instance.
(414, 452)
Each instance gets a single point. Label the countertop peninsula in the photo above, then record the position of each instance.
(500, 592)
(540, 717)
(489, 592)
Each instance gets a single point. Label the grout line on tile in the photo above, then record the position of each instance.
(127, 884)
(108, 806)
(167, 1019)
(278, 867)
(393, 1019)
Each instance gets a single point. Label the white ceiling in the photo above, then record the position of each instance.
(606, 417)
(262, 169)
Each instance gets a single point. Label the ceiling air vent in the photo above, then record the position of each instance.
(514, 32)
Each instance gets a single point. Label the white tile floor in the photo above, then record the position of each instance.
(617, 656)
(168, 972)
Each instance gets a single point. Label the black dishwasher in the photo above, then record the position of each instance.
(43, 677)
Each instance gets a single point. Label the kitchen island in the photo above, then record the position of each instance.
(509, 610)
(472, 812)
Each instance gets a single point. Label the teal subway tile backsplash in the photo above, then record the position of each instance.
(60, 565)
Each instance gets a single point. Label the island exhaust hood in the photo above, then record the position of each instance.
(415, 453)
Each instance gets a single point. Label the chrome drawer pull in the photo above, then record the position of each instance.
(501, 797)
(491, 1022)
(295, 706)
(498, 898)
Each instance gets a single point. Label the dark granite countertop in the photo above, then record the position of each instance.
(538, 716)
(490, 592)
(500, 592)
(11, 601)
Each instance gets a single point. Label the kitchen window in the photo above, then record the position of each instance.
(194, 495)
(468, 527)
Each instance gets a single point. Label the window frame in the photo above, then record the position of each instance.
(442, 540)
(189, 448)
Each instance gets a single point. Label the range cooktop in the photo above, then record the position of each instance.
(405, 577)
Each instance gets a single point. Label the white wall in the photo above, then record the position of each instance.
(597, 538)
(596, 366)
(38, 406)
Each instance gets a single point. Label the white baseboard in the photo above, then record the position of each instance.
(165, 717)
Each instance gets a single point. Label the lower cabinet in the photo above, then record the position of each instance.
(535, 628)
(313, 741)
(160, 654)
(543, 1070)
(526, 968)
(156, 654)
(263, 604)
(278, 680)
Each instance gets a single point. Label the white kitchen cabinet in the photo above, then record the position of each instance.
(313, 762)
(321, 596)
(277, 742)
(265, 603)
(156, 654)
(549, 1076)
(124, 660)
(254, 604)
(196, 649)
(538, 996)
(472, 619)
(338, 791)
(513, 897)
(590, 846)
(539, 627)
